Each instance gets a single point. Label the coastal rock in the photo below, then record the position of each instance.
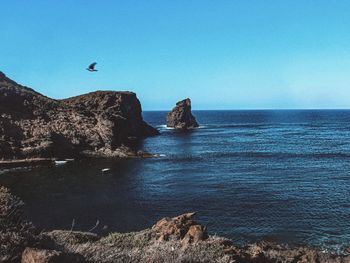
(101, 123)
(182, 227)
(181, 116)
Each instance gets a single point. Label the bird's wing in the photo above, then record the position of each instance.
(92, 66)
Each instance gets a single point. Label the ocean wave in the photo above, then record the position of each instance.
(163, 126)
(160, 155)
(15, 169)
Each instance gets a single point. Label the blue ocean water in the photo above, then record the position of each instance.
(250, 175)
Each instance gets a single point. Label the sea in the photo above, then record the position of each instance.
(250, 175)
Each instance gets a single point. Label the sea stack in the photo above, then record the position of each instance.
(181, 117)
(97, 124)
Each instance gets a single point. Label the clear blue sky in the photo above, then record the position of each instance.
(234, 54)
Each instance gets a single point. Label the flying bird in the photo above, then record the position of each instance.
(91, 68)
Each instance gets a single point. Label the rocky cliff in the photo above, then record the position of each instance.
(101, 123)
(181, 116)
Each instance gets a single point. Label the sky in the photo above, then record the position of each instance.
(234, 54)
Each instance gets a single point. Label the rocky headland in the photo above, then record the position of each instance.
(98, 124)
(180, 117)
(171, 240)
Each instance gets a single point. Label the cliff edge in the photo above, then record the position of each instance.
(101, 124)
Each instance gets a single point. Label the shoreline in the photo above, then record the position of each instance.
(171, 240)
(18, 163)
(31, 162)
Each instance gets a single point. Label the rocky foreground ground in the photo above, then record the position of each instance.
(99, 124)
(178, 239)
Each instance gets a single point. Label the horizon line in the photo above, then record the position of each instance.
(258, 109)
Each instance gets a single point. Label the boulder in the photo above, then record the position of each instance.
(181, 116)
(101, 123)
(182, 228)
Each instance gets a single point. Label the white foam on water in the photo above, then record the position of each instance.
(60, 162)
(159, 155)
(14, 169)
(163, 126)
(3, 171)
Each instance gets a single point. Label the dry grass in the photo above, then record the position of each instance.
(140, 247)
(15, 232)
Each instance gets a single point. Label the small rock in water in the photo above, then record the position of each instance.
(181, 117)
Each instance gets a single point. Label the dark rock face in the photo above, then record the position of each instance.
(101, 123)
(181, 116)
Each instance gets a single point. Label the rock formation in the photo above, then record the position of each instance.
(101, 123)
(182, 228)
(181, 116)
